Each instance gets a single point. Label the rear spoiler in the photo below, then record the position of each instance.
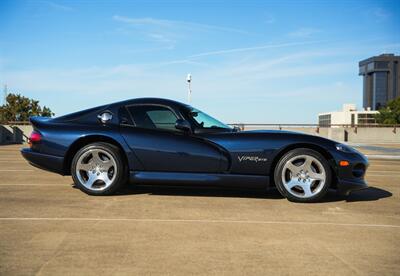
(38, 121)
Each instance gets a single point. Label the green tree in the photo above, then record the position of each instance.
(390, 114)
(20, 108)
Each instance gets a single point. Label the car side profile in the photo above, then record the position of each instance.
(160, 141)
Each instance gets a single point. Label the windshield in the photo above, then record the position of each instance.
(205, 121)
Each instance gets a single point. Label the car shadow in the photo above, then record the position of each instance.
(162, 190)
(368, 194)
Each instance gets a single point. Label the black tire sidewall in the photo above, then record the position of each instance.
(120, 177)
(291, 154)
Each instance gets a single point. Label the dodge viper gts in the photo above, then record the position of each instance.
(160, 141)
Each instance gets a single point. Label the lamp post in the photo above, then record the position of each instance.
(189, 81)
(5, 94)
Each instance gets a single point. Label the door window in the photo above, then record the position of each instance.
(153, 117)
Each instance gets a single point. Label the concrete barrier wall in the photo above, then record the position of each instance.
(344, 134)
(372, 135)
(18, 134)
(14, 134)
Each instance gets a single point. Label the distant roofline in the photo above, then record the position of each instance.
(357, 112)
(382, 57)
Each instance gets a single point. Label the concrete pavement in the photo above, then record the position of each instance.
(48, 227)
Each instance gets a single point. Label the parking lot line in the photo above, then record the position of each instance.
(201, 221)
(28, 184)
(16, 170)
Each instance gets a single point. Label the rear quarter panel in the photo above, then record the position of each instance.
(58, 139)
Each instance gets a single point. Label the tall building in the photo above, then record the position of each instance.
(381, 82)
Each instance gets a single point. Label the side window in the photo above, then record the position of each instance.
(153, 117)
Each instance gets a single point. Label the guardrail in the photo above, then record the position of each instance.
(16, 123)
(317, 127)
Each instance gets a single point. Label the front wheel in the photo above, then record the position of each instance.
(97, 169)
(303, 175)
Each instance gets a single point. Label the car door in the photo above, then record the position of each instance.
(160, 147)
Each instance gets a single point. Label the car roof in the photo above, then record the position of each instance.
(160, 101)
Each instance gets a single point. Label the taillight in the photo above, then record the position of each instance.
(35, 137)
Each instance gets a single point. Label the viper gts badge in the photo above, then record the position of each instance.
(251, 158)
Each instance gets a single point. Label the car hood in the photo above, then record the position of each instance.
(269, 131)
(293, 136)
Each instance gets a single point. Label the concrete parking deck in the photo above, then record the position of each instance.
(48, 227)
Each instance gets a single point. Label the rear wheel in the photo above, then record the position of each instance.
(303, 175)
(97, 169)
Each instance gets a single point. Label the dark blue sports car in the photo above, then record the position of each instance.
(160, 141)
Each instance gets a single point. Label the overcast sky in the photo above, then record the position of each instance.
(251, 61)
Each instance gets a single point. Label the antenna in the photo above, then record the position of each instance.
(189, 81)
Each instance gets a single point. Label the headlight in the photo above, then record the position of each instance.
(344, 148)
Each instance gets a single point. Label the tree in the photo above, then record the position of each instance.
(20, 108)
(390, 114)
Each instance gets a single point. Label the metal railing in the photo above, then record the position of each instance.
(16, 123)
(317, 127)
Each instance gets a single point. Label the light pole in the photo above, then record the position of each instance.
(189, 81)
(5, 94)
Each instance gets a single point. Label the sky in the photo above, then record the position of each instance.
(251, 61)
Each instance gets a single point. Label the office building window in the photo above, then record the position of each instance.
(380, 89)
(366, 119)
(324, 120)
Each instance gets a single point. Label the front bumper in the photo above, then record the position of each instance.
(345, 187)
(44, 161)
(351, 178)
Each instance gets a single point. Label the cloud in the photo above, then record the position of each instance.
(381, 14)
(57, 6)
(304, 32)
(261, 78)
(126, 78)
(162, 38)
(255, 48)
(143, 21)
(168, 24)
(168, 33)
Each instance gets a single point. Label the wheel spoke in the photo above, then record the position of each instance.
(96, 157)
(307, 164)
(105, 178)
(307, 189)
(85, 167)
(92, 178)
(107, 164)
(292, 183)
(293, 168)
(316, 176)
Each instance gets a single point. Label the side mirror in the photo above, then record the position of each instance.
(237, 129)
(183, 125)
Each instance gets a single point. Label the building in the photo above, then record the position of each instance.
(381, 80)
(348, 116)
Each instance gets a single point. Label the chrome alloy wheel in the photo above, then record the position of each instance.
(96, 169)
(303, 176)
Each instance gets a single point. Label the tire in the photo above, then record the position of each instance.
(98, 169)
(303, 175)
